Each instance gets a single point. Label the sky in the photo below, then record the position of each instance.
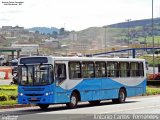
(75, 14)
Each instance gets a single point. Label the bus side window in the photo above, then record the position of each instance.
(74, 70)
(100, 69)
(88, 69)
(141, 69)
(112, 69)
(60, 72)
(124, 69)
(134, 69)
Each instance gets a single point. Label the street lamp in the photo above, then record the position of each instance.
(128, 20)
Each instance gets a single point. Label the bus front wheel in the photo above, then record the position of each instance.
(121, 97)
(73, 101)
(43, 106)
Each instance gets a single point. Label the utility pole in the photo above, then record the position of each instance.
(153, 40)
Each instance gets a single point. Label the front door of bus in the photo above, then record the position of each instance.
(60, 77)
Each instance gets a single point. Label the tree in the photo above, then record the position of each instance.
(54, 34)
(62, 31)
(37, 32)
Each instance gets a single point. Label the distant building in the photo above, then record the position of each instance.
(16, 31)
(10, 28)
(51, 43)
(6, 28)
(73, 36)
(27, 49)
(17, 28)
(2, 38)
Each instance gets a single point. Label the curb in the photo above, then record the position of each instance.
(15, 106)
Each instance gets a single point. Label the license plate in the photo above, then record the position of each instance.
(33, 98)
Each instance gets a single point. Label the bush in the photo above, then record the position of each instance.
(153, 76)
(152, 91)
(3, 97)
(8, 87)
(12, 97)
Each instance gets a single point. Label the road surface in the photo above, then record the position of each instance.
(5, 82)
(147, 107)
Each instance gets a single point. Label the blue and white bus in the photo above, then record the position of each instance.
(46, 80)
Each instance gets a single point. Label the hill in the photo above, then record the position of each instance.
(135, 23)
(44, 29)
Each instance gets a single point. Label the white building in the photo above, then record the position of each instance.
(27, 49)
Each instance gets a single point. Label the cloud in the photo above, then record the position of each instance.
(3, 19)
(11, 12)
(15, 11)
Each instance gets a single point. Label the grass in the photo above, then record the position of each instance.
(152, 90)
(149, 59)
(11, 102)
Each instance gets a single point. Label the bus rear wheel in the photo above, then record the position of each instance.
(96, 102)
(73, 101)
(121, 97)
(43, 106)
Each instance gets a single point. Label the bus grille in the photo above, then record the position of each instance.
(34, 94)
(33, 89)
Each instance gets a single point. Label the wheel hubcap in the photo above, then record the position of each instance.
(122, 96)
(73, 100)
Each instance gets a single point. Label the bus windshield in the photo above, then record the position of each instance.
(35, 75)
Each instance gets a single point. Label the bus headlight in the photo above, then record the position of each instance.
(21, 94)
(48, 93)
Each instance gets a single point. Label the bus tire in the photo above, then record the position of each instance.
(96, 102)
(73, 101)
(43, 106)
(121, 97)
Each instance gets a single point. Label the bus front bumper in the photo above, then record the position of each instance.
(45, 99)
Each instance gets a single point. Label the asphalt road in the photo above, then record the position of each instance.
(147, 107)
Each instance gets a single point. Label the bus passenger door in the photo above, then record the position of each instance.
(60, 78)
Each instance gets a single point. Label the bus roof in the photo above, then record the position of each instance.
(52, 58)
(96, 59)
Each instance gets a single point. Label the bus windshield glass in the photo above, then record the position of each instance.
(35, 75)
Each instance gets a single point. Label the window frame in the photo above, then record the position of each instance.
(69, 70)
(141, 71)
(127, 70)
(115, 71)
(90, 75)
(105, 70)
(55, 69)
